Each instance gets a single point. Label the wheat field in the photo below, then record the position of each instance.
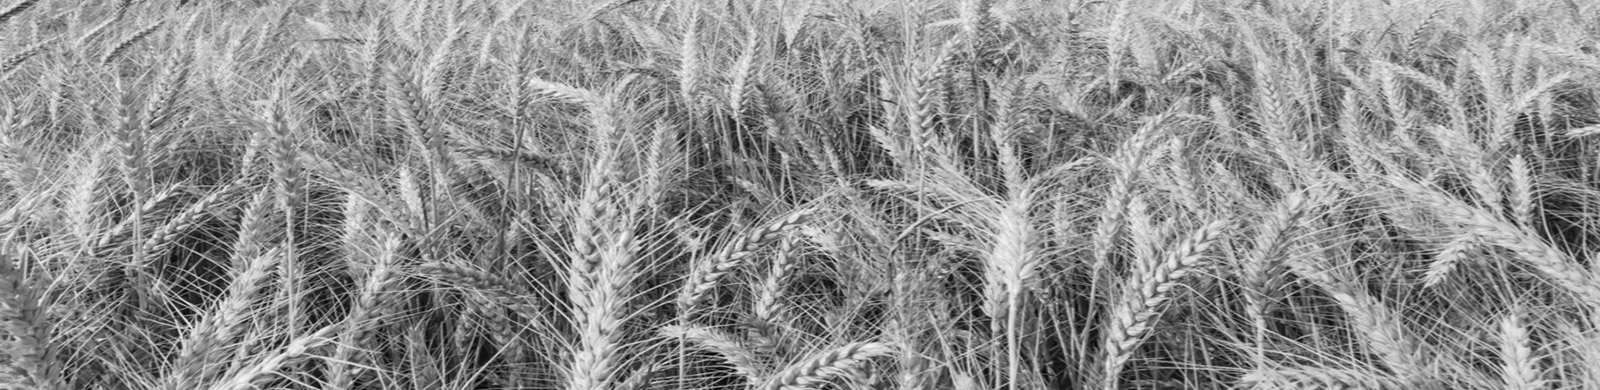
(800, 194)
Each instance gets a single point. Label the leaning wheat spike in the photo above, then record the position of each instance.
(770, 312)
(94, 33)
(209, 340)
(1261, 266)
(158, 243)
(547, 165)
(16, 9)
(502, 290)
(563, 92)
(820, 368)
(24, 316)
(367, 190)
(1548, 260)
(1449, 257)
(732, 351)
(1379, 327)
(374, 303)
(411, 103)
(15, 60)
(127, 43)
(297, 351)
(1520, 369)
(1145, 294)
(704, 278)
(1323, 378)
(1126, 164)
(1582, 132)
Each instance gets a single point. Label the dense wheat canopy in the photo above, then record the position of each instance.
(800, 194)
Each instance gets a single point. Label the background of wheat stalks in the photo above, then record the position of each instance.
(801, 194)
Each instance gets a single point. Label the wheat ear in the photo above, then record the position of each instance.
(1548, 260)
(374, 302)
(704, 278)
(733, 352)
(298, 350)
(1326, 378)
(825, 366)
(16, 9)
(1520, 368)
(24, 316)
(127, 43)
(770, 311)
(1146, 293)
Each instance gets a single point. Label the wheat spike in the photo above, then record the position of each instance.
(1520, 367)
(1144, 295)
(705, 277)
(1326, 378)
(825, 366)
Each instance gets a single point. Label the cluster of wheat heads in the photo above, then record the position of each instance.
(799, 194)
